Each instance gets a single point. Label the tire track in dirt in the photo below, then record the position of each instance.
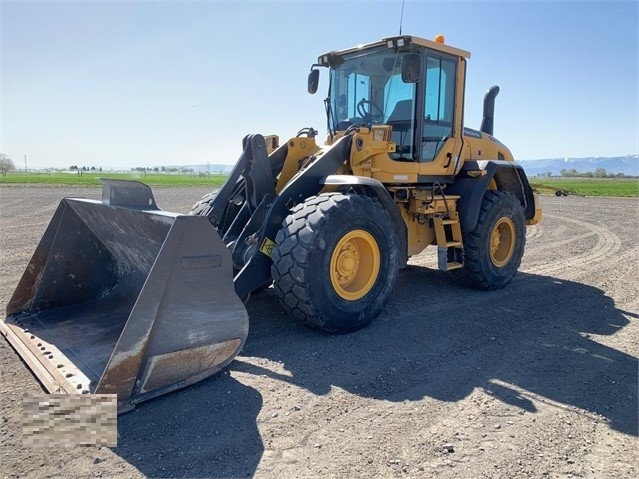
(534, 232)
(46, 210)
(9, 205)
(32, 226)
(555, 244)
(607, 244)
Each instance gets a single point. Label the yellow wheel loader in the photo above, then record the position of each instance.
(123, 298)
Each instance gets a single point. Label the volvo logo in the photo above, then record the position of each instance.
(201, 262)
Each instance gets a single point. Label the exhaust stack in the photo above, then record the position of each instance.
(488, 122)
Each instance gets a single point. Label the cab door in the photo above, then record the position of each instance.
(441, 140)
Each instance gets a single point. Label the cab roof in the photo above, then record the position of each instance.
(401, 41)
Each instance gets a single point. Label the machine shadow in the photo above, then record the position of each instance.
(441, 340)
(207, 430)
(435, 339)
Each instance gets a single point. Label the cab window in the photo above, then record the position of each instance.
(358, 88)
(439, 104)
(399, 109)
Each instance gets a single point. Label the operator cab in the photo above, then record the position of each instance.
(405, 82)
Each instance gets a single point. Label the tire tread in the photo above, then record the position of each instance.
(294, 243)
(472, 273)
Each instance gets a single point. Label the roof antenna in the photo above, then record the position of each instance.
(401, 18)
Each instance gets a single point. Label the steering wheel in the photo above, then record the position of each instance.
(369, 116)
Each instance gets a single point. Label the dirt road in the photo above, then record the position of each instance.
(536, 380)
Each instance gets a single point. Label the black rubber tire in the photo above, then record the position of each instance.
(203, 206)
(302, 256)
(479, 271)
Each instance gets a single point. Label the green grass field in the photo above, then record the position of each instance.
(588, 186)
(580, 186)
(91, 178)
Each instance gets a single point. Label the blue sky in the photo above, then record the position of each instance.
(147, 83)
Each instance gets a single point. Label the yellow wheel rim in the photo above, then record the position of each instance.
(502, 242)
(355, 265)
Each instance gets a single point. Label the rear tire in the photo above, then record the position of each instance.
(336, 262)
(493, 250)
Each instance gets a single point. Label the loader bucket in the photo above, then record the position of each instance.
(123, 298)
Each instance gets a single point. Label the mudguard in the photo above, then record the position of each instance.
(473, 180)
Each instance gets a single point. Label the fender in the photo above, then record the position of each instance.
(473, 180)
(273, 209)
(375, 189)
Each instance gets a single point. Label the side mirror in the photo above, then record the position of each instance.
(411, 68)
(313, 81)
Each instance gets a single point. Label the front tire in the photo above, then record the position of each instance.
(336, 261)
(493, 250)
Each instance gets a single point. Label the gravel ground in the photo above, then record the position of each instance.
(536, 380)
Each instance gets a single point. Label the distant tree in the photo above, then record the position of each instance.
(73, 168)
(163, 169)
(93, 168)
(548, 174)
(6, 164)
(571, 173)
(100, 169)
(598, 173)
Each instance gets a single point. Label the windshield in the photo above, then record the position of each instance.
(368, 88)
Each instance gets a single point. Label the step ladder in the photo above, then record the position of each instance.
(450, 250)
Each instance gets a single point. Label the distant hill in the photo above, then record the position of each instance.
(628, 165)
(209, 168)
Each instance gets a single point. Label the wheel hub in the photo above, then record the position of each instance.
(355, 265)
(347, 262)
(502, 242)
